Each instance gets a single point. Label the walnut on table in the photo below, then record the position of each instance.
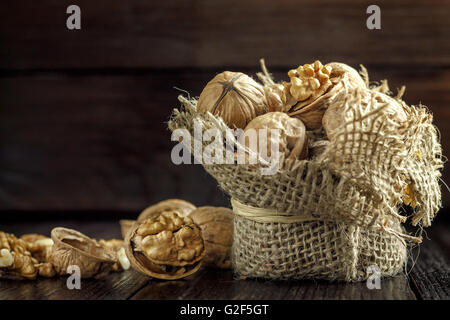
(165, 245)
(15, 259)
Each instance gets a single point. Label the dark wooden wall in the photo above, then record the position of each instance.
(83, 113)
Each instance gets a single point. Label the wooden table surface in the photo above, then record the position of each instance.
(429, 278)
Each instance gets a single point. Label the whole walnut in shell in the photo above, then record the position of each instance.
(74, 248)
(233, 96)
(292, 139)
(335, 116)
(165, 245)
(217, 231)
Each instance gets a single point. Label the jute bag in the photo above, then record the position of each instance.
(337, 215)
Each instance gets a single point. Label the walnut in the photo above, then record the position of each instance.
(308, 82)
(233, 96)
(6, 258)
(165, 245)
(16, 260)
(182, 207)
(46, 270)
(74, 248)
(278, 98)
(124, 262)
(38, 245)
(113, 244)
(293, 141)
(118, 246)
(335, 116)
(217, 231)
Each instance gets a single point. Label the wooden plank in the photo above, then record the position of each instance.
(114, 286)
(198, 33)
(219, 284)
(430, 276)
(100, 142)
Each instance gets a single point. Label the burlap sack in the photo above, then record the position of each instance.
(335, 215)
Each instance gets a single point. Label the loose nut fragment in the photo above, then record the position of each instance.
(123, 259)
(233, 96)
(15, 250)
(166, 245)
(291, 139)
(217, 231)
(74, 248)
(308, 82)
(6, 258)
(46, 270)
(118, 246)
(38, 245)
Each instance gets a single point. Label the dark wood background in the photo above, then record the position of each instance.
(83, 113)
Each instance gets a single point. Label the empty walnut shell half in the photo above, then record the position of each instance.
(165, 245)
(74, 248)
(217, 231)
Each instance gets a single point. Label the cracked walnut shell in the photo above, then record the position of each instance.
(233, 96)
(182, 207)
(165, 245)
(335, 80)
(217, 231)
(74, 248)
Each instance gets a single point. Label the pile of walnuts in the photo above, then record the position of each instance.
(173, 238)
(34, 255)
(314, 97)
(169, 240)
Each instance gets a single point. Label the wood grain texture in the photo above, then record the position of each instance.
(429, 277)
(201, 33)
(100, 141)
(114, 286)
(431, 273)
(217, 285)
